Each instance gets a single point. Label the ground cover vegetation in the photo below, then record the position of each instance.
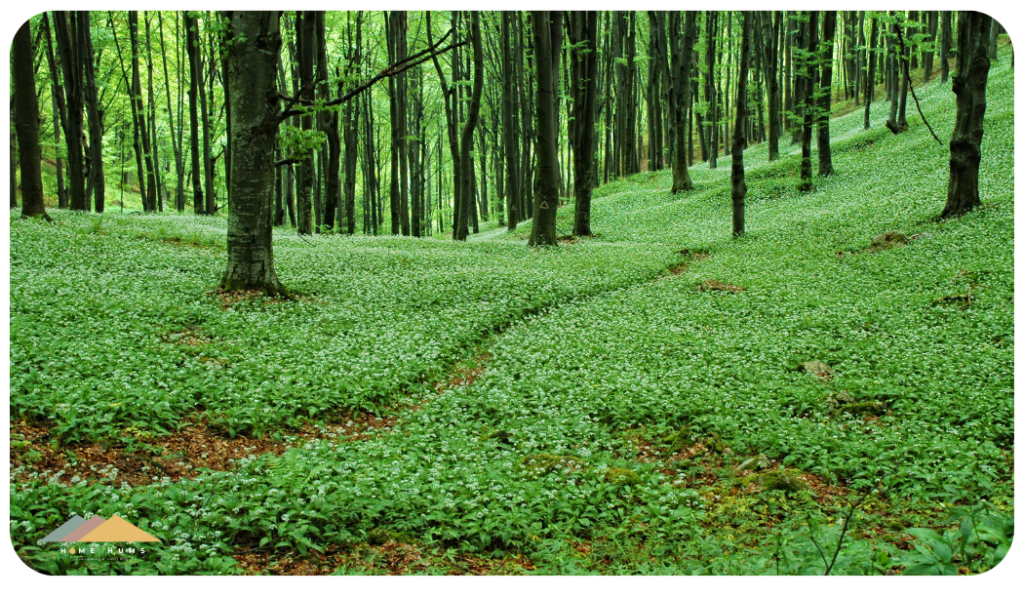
(725, 361)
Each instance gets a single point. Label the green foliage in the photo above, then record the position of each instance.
(596, 351)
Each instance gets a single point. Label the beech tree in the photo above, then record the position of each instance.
(583, 36)
(545, 206)
(739, 136)
(26, 123)
(969, 86)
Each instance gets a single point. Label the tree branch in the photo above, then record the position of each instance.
(910, 82)
(391, 71)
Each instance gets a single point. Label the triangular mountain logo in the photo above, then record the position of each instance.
(98, 529)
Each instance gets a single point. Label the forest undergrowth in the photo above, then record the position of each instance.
(660, 398)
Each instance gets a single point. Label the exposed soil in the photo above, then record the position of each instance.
(184, 454)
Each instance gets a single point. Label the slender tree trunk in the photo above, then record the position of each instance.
(946, 43)
(808, 42)
(771, 75)
(149, 192)
(508, 124)
(65, 25)
(682, 55)
(11, 164)
(59, 115)
(26, 123)
(546, 205)
(328, 123)
(869, 88)
(739, 184)
(158, 189)
(969, 85)
(710, 94)
(305, 35)
(825, 167)
(195, 79)
(179, 192)
(583, 37)
(466, 139)
(252, 78)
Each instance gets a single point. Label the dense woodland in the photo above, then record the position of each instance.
(771, 331)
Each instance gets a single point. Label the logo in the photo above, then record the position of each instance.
(97, 529)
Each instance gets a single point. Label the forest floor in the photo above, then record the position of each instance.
(659, 398)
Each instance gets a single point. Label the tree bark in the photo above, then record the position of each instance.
(546, 205)
(771, 75)
(59, 114)
(508, 124)
(869, 88)
(947, 41)
(26, 124)
(739, 184)
(969, 86)
(195, 76)
(305, 35)
(808, 42)
(583, 37)
(466, 139)
(179, 170)
(149, 192)
(252, 77)
(67, 46)
(682, 55)
(825, 167)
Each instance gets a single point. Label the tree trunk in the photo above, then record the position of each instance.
(825, 167)
(149, 191)
(947, 41)
(682, 55)
(583, 37)
(769, 35)
(179, 192)
(60, 117)
(739, 184)
(710, 93)
(808, 42)
(70, 58)
(195, 76)
(466, 139)
(546, 205)
(158, 189)
(26, 123)
(252, 64)
(508, 124)
(969, 86)
(869, 88)
(305, 36)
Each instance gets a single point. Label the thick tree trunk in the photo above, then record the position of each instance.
(969, 86)
(825, 167)
(26, 123)
(946, 43)
(195, 76)
(583, 37)
(682, 56)
(546, 205)
(739, 141)
(70, 58)
(252, 78)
